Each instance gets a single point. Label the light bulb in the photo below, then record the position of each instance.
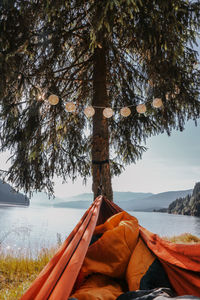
(70, 106)
(157, 102)
(89, 111)
(125, 111)
(53, 99)
(141, 108)
(107, 112)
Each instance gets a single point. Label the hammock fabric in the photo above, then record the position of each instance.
(57, 279)
(181, 262)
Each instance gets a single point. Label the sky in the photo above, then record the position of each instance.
(170, 163)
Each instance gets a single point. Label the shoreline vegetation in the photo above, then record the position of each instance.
(17, 272)
(189, 205)
(18, 269)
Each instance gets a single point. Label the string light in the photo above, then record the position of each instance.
(157, 103)
(141, 108)
(108, 112)
(53, 99)
(70, 106)
(89, 111)
(125, 111)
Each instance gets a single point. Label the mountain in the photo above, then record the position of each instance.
(153, 202)
(127, 200)
(8, 196)
(130, 196)
(189, 205)
(118, 196)
(83, 201)
(80, 204)
(80, 197)
(42, 199)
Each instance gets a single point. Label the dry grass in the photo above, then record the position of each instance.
(17, 272)
(185, 238)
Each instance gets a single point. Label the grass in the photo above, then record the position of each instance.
(185, 238)
(18, 271)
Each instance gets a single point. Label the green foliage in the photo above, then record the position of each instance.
(190, 205)
(47, 47)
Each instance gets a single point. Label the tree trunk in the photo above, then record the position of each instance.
(100, 143)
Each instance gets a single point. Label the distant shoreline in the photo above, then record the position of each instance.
(12, 205)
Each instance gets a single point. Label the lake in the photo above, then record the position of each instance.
(33, 228)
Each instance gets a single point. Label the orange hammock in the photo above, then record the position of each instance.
(57, 279)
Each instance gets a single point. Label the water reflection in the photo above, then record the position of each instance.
(31, 229)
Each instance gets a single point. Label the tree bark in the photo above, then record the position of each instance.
(100, 142)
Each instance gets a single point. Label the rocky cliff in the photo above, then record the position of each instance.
(189, 205)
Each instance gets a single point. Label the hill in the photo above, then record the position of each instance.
(8, 196)
(189, 205)
(162, 200)
(126, 200)
(81, 200)
(42, 199)
(118, 196)
(84, 200)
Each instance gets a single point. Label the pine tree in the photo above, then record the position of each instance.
(108, 53)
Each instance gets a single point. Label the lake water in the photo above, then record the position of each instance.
(34, 228)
